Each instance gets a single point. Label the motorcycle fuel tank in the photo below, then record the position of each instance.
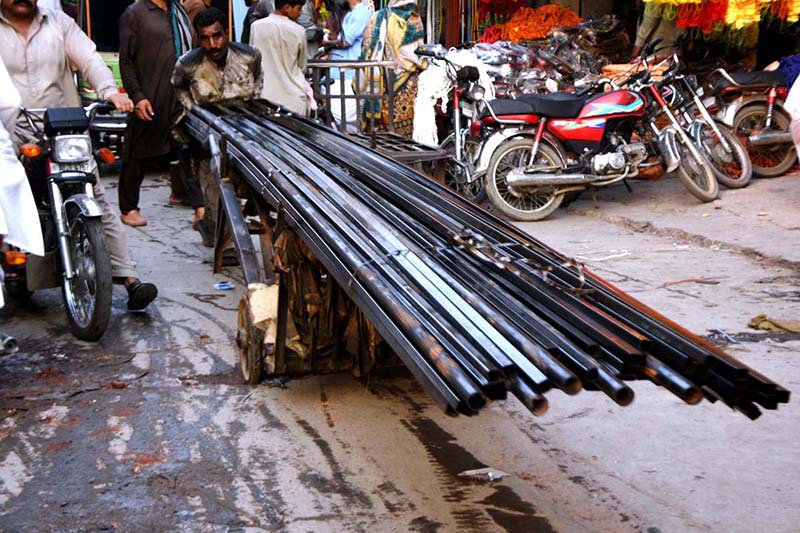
(590, 124)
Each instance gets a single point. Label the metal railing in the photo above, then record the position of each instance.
(367, 74)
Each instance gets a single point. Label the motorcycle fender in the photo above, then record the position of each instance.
(728, 115)
(496, 139)
(88, 206)
(668, 146)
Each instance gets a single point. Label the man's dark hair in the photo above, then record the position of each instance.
(279, 4)
(208, 17)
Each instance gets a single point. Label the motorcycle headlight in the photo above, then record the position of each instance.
(72, 148)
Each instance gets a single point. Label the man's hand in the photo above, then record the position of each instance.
(121, 102)
(144, 111)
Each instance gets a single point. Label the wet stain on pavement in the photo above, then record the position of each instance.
(338, 483)
(504, 507)
(423, 524)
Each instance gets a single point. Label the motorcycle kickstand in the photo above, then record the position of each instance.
(593, 190)
(627, 186)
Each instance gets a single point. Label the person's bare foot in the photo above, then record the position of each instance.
(199, 213)
(133, 218)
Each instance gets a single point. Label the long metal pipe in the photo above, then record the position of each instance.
(465, 299)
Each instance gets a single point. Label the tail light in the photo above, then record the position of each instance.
(783, 93)
(13, 258)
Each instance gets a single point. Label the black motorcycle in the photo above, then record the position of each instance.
(60, 165)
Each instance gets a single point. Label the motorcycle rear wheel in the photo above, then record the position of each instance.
(769, 161)
(734, 170)
(697, 176)
(87, 296)
(522, 205)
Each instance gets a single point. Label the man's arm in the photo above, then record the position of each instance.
(127, 57)
(82, 54)
(302, 61)
(650, 20)
(308, 20)
(181, 82)
(355, 24)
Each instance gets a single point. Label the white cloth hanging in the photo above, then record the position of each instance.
(434, 85)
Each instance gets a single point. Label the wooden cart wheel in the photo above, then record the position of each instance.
(250, 341)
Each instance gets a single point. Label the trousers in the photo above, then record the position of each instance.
(122, 265)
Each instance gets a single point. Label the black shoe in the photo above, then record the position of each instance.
(205, 234)
(140, 294)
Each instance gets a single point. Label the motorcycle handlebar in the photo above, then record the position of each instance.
(427, 52)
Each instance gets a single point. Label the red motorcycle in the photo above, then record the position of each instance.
(588, 140)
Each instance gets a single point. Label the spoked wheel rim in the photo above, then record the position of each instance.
(695, 171)
(524, 200)
(455, 179)
(81, 290)
(726, 162)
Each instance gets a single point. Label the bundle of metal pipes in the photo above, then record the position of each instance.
(473, 307)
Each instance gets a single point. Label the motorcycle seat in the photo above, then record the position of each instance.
(506, 107)
(556, 105)
(755, 79)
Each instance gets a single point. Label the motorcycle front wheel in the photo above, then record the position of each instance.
(87, 294)
(734, 170)
(697, 176)
(526, 205)
(771, 160)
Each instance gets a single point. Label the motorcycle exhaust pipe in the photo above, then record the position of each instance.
(770, 137)
(519, 178)
(8, 344)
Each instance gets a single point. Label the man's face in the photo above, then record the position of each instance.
(19, 8)
(214, 40)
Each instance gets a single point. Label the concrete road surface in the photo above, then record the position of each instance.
(152, 429)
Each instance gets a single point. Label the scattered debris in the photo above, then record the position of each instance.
(701, 280)
(483, 474)
(224, 286)
(278, 382)
(81, 391)
(725, 335)
(115, 384)
(610, 254)
(774, 324)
